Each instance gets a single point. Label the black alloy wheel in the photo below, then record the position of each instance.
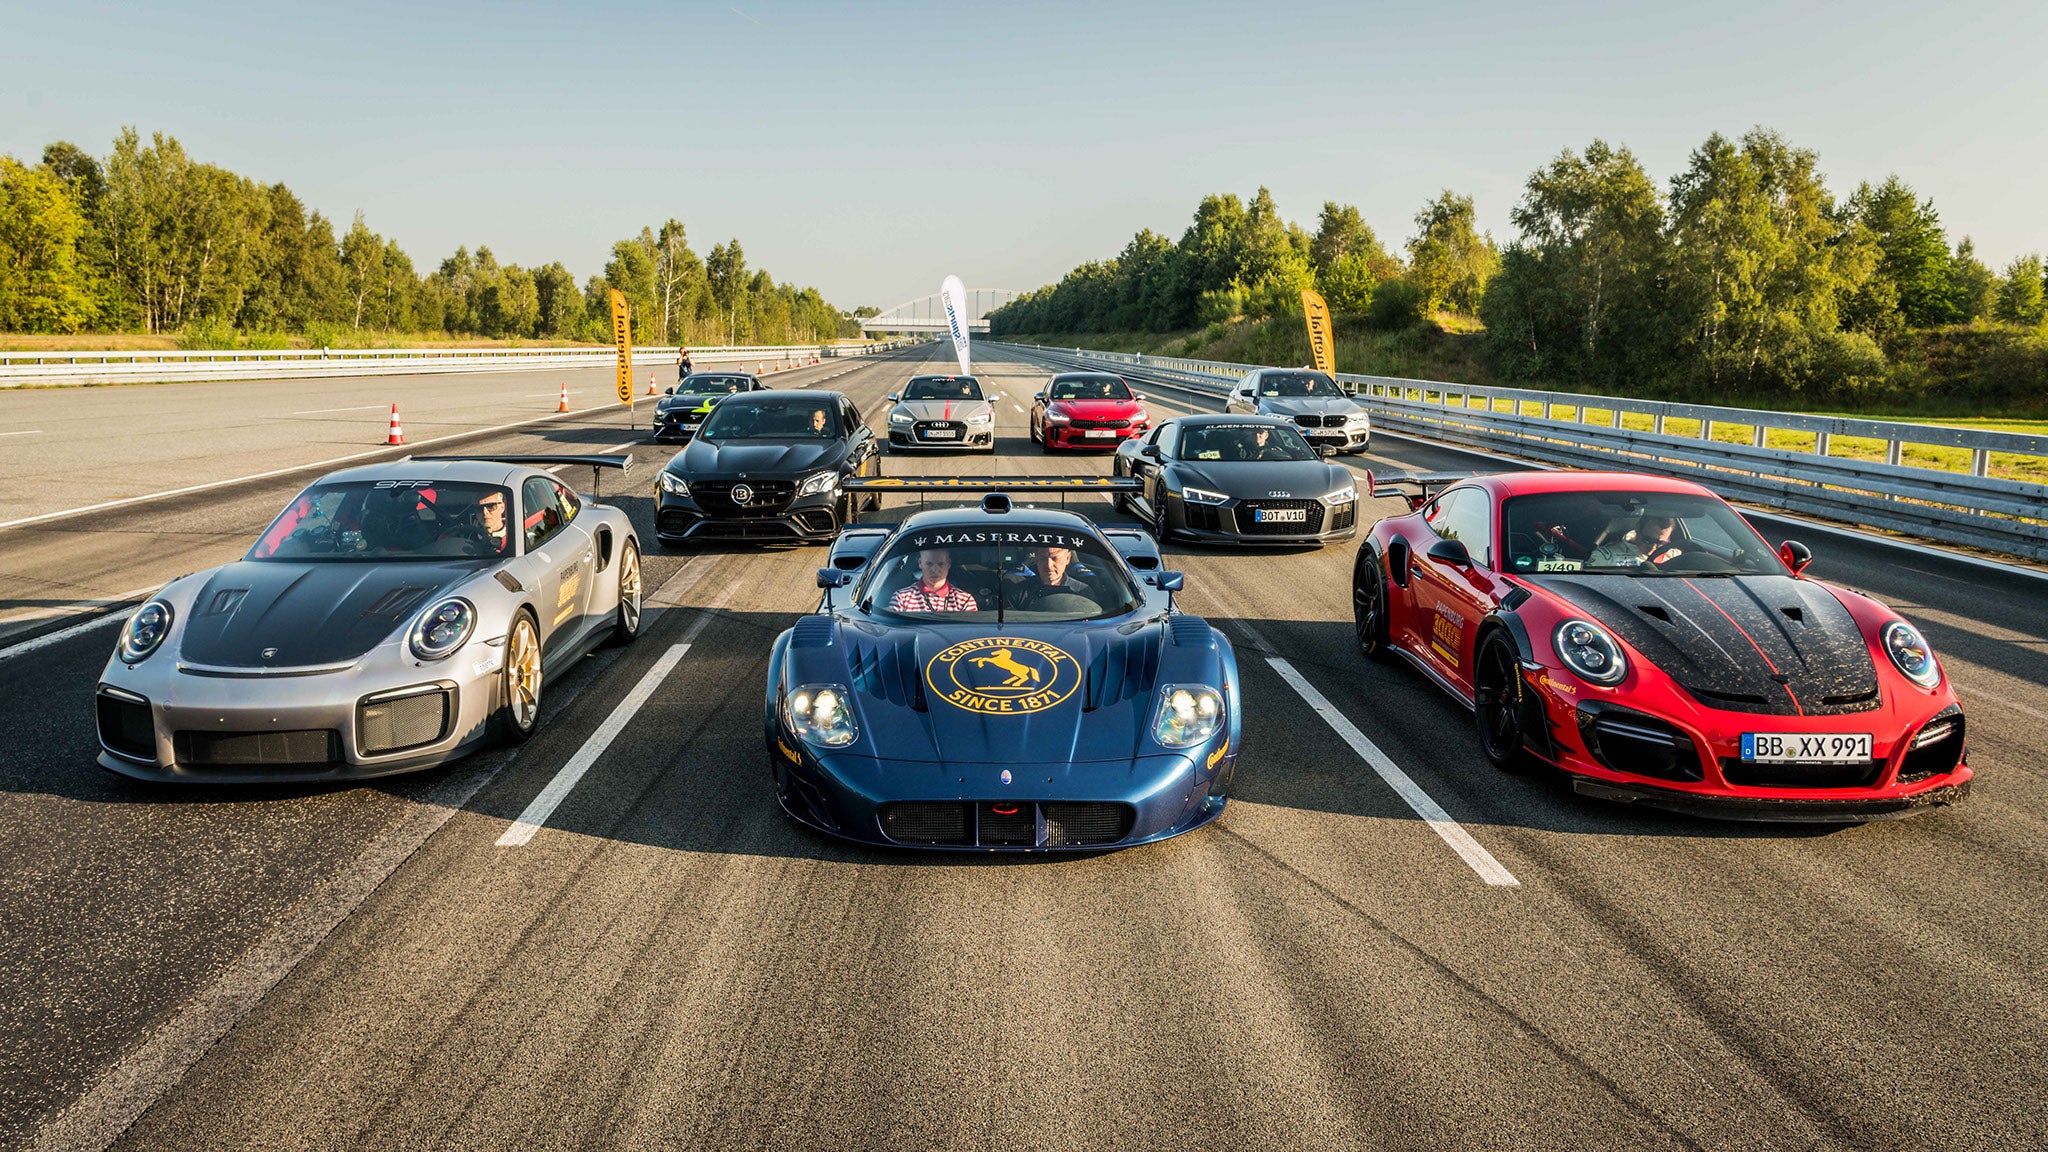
(1497, 704)
(1369, 604)
(1160, 530)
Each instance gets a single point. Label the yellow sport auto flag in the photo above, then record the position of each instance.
(622, 335)
(1320, 342)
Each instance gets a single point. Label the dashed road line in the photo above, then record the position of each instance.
(29, 432)
(325, 411)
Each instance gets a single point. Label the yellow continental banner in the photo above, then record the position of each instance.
(622, 336)
(1320, 342)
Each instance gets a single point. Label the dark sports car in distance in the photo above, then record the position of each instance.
(767, 466)
(1001, 678)
(1636, 632)
(1087, 410)
(1239, 480)
(392, 617)
(682, 409)
(1325, 412)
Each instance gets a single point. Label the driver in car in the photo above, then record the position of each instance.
(1050, 580)
(490, 512)
(932, 592)
(1650, 543)
(820, 423)
(1262, 446)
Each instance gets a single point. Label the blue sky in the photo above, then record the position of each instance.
(871, 149)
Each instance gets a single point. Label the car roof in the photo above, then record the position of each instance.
(472, 471)
(1090, 375)
(1506, 484)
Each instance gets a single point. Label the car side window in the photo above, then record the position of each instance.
(849, 417)
(566, 501)
(543, 516)
(1465, 515)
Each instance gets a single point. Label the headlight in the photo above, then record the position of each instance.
(1910, 654)
(819, 714)
(982, 418)
(822, 482)
(900, 417)
(1342, 496)
(1589, 652)
(145, 631)
(442, 628)
(1057, 417)
(1202, 496)
(674, 485)
(1188, 714)
(1140, 418)
(1356, 419)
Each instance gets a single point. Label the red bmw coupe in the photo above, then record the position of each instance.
(1639, 634)
(1087, 410)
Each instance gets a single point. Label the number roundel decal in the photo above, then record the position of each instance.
(1003, 675)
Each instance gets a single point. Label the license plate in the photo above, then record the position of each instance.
(1280, 515)
(1098, 433)
(942, 434)
(1805, 747)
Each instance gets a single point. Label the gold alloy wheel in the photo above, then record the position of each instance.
(523, 674)
(629, 591)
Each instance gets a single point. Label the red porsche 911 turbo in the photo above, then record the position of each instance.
(1638, 633)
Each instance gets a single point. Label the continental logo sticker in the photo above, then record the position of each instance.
(1218, 754)
(1003, 675)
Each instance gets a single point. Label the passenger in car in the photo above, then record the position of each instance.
(933, 592)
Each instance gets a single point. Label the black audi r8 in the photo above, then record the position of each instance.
(767, 466)
(682, 409)
(1239, 480)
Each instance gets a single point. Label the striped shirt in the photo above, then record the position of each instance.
(918, 598)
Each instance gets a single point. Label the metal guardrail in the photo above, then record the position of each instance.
(22, 368)
(1958, 507)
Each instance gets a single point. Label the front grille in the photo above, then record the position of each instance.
(126, 726)
(1202, 518)
(767, 498)
(1099, 424)
(1250, 526)
(1344, 517)
(1936, 749)
(1007, 823)
(1336, 421)
(1642, 745)
(1861, 774)
(407, 722)
(306, 748)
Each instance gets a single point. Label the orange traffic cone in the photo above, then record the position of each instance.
(650, 383)
(397, 433)
(564, 405)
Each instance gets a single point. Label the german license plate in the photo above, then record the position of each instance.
(1805, 747)
(1098, 433)
(942, 434)
(1280, 515)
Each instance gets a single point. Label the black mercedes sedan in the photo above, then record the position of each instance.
(767, 466)
(1238, 480)
(682, 409)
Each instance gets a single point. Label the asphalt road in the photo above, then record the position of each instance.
(669, 962)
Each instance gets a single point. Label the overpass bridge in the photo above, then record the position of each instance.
(927, 314)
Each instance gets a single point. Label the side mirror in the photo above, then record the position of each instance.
(1795, 555)
(893, 397)
(994, 396)
(1450, 552)
(1350, 389)
(833, 578)
(1151, 452)
(1327, 450)
(669, 391)
(1170, 581)
(1138, 395)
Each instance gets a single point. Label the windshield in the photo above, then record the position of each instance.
(780, 419)
(943, 388)
(1243, 442)
(386, 520)
(697, 383)
(1089, 388)
(1297, 384)
(1036, 575)
(1653, 534)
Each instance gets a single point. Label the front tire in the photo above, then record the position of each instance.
(1369, 605)
(626, 618)
(519, 683)
(1497, 704)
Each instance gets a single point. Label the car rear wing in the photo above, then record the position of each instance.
(596, 462)
(1414, 487)
(998, 486)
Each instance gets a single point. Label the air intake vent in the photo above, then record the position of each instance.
(397, 602)
(1796, 615)
(813, 631)
(224, 601)
(1654, 612)
(1121, 670)
(1191, 632)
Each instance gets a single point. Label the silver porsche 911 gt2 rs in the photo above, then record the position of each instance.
(393, 617)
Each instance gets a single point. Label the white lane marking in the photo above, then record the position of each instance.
(1018, 410)
(30, 432)
(324, 411)
(212, 484)
(1432, 813)
(557, 790)
(63, 634)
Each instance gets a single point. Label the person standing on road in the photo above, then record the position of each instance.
(682, 362)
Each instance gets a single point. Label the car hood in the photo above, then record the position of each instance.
(923, 696)
(688, 400)
(1098, 409)
(944, 409)
(1768, 644)
(1307, 406)
(1259, 479)
(306, 614)
(756, 458)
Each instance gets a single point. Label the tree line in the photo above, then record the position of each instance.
(1744, 273)
(150, 240)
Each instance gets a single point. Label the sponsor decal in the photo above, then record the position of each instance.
(1216, 757)
(622, 339)
(1003, 675)
(957, 539)
(565, 599)
(403, 484)
(1322, 347)
(1056, 483)
(787, 751)
(1446, 634)
(955, 294)
(1546, 681)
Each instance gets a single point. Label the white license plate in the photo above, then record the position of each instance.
(1805, 747)
(942, 434)
(1098, 433)
(1280, 515)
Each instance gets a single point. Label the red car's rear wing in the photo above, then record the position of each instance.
(1424, 485)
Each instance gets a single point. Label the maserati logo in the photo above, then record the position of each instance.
(268, 653)
(1003, 675)
(742, 493)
